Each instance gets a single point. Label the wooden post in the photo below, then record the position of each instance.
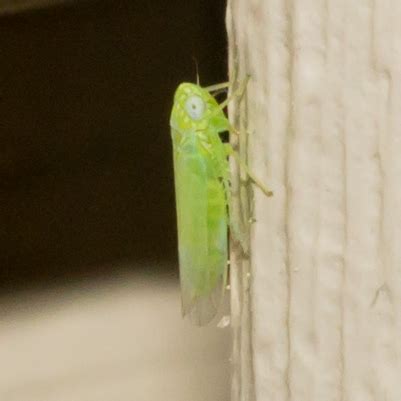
(317, 307)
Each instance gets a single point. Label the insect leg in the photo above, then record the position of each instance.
(234, 224)
(224, 85)
(236, 94)
(257, 182)
(217, 87)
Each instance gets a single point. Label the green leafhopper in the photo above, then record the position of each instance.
(203, 197)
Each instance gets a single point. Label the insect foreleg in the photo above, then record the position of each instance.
(217, 87)
(236, 94)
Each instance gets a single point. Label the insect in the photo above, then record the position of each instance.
(203, 197)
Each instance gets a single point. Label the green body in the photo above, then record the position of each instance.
(201, 185)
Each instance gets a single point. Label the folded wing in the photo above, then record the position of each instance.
(202, 233)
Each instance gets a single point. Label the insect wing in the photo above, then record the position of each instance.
(202, 232)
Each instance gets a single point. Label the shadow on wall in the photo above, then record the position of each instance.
(85, 155)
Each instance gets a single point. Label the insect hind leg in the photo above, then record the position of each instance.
(231, 152)
(235, 229)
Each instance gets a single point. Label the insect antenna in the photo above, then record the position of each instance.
(197, 70)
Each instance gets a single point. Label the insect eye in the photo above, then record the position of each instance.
(195, 107)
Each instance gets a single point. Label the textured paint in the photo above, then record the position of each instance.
(324, 108)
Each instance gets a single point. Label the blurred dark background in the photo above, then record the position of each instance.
(86, 88)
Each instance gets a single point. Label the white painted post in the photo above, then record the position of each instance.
(321, 320)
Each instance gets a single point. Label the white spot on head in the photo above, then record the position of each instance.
(195, 107)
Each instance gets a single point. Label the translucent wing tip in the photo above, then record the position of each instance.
(203, 309)
(202, 312)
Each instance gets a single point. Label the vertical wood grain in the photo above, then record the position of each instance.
(323, 111)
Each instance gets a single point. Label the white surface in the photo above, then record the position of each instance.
(109, 340)
(324, 108)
